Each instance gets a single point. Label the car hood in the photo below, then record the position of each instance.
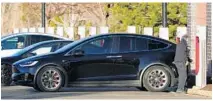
(8, 57)
(34, 58)
(10, 52)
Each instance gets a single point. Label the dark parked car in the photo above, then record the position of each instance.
(35, 49)
(104, 60)
(13, 43)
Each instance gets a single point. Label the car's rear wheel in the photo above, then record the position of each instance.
(6, 73)
(156, 78)
(142, 88)
(49, 79)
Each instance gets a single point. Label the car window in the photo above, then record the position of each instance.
(98, 46)
(64, 44)
(131, 44)
(156, 45)
(51, 47)
(141, 44)
(17, 42)
(39, 38)
(45, 38)
(126, 44)
(35, 39)
(55, 38)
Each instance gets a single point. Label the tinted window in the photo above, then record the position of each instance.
(126, 44)
(54, 38)
(141, 44)
(35, 39)
(98, 46)
(63, 44)
(39, 38)
(156, 45)
(44, 38)
(14, 43)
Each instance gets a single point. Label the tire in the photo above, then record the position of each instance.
(36, 87)
(6, 73)
(156, 79)
(142, 88)
(49, 79)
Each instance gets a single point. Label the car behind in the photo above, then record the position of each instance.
(13, 43)
(33, 50)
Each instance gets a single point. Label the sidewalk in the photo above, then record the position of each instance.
(206, 91)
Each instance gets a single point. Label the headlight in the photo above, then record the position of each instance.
(29, 63)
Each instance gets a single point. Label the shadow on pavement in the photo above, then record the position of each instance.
(30, 93)
(98, 89)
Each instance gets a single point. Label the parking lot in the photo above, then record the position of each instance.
(21, 92)
(98, 44)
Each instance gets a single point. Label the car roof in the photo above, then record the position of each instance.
(34, 33)
(111, 34)
(135, 34)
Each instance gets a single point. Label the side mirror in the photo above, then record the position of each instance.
(29, 55)
(78, 53)
(33, 54)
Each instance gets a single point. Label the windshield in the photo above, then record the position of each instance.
(69, 46)
(44, 47)
(27, 49)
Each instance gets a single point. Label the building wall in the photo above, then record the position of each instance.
(200, 18)
(191, 29)
(199, 14)
(209, 33)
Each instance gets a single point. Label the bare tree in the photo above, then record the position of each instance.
(72, 13)
(18, 15)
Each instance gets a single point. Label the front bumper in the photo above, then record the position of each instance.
(22, 78)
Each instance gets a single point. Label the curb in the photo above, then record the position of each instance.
(199, 92)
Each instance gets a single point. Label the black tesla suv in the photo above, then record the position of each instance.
(32, 50)
(118, 59)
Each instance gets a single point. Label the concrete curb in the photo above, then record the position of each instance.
(199, 92)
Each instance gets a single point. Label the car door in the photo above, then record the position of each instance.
(125, 68)
(94, 64)
(130, 50)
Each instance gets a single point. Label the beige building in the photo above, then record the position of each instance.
(200, 14)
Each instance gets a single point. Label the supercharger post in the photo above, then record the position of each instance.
(81, 31)
(200, 57)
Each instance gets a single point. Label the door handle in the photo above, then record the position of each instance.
(117, 56)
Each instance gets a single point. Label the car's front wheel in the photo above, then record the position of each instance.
(6, 73)
(49, 79)
(156, 78)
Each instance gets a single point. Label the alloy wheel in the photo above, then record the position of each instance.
(51, 79)
(157, 79)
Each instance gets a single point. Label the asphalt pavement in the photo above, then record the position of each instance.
(21, 92)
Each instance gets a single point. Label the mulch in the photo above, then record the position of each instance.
(208, 87)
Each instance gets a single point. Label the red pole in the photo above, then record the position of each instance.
(197, 55)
